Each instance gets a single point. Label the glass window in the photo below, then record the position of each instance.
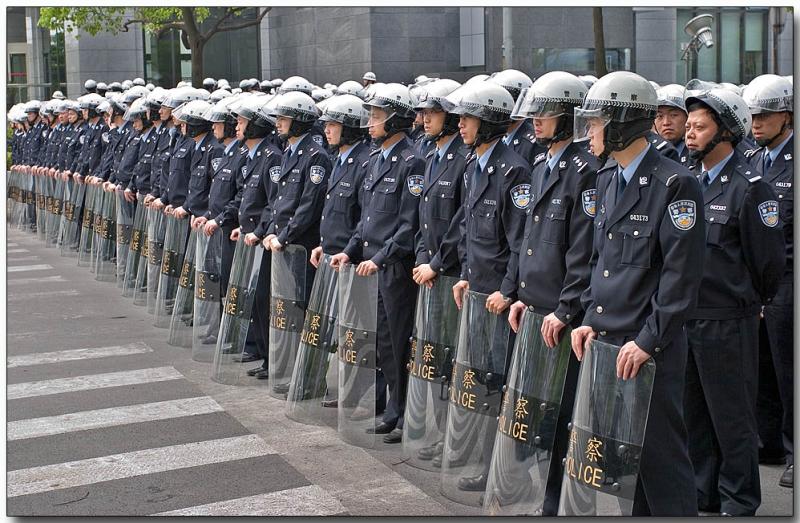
(165, 61)
(17, 69)
(730, 46)
(579, 60)
(754, 48)
(472, 36)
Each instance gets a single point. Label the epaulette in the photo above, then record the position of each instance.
(539, 158)
(661, 145)
(409, 157)
(752, 152)
(531, 137)
(671, 179)
(376, 151)
(430, 154)
(269, 152)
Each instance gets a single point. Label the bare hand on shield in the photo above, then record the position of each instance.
(130, 196)
(339, 260)
(581, 339)
(496, 303)
(266, 242)
(274, 244)
(235, 234)
(515, 315)
(424, 275)
(210, 227)
(251, 239)
(148, 199)
(366, 268)
(157, 204)
(198, 222)
(552, 328)
(629, 359)
(458, 292)
(316, 256)
(180, 213)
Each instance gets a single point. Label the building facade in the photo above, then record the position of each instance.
(333, 44)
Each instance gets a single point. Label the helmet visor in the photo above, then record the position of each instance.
(589, 122)
(375, 115)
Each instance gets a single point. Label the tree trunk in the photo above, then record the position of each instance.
(197, 63)
(599, 43)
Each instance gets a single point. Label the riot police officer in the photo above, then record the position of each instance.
(646, 267)
(771, 104)
(743, 262)
(369, 78)
(90, 86)
(166, 137)
(384, 239)
(520, 136)
(671, 118)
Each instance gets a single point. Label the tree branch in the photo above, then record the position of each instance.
(228, 13)
(248, 23)
(127, 24)
(167, 26)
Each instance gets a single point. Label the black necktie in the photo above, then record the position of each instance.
(706, 180)
(475, 176)
(767, 163)
(435, 165)
(621, 185)
(543, 182)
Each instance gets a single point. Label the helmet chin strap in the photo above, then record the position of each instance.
(697, 156)
(766, 141)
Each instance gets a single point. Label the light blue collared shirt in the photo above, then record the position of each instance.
(386, 152)
(198, 142)
(343, 156)
(630, 170)
(714, 171)
(231, 146)
(252, 152)
(552, 161)
(146, 133)
(441, 151)
(484, 158)
(773, 153)
(681, 147)
(296, 144)
(509, 137)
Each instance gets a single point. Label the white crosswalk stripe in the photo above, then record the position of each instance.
(43, 358)
(102, 418)
(28, 281)
(130, 464)
(94, 381)
(26, 268)
(46, 294)
(16, 251)
(302, 501)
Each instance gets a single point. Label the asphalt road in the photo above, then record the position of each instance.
(105, 418)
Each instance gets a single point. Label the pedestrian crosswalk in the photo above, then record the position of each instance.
(44, 358)
(95, 381)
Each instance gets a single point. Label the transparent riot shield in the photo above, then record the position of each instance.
(237, 310)
(606, 436)
(286, 315)
(433, 347)
(171, 263)
(87, 227)
(527, 426)
(135, 248)
(358, 317)
(156, 230)
(41, 206)
(106, 268)
(71, 219)
(180, 326)
(475, 397)
(29, 222)
(207, 295)
(125, 216)
(66, 194)
(53, 225)
(319, 340)
(142, 266)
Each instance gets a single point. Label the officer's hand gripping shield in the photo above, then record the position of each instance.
(86, 245)
(526, 430)
(430, 368)
(606, 436)
(286, 315)
(475, 397)
(207, 295)
(358, 318)
(106, 263)
(125, 215)
(236, 312)
(314, 378)
(135, 248)
(171, 263)
(180, 325)
(156, 232)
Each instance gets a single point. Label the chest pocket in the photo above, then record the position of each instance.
(386, 197)
(199, 175)
(442, 200)
(718, 227)
(636, 241)
(555, 226)
(341, 198)
(485, 219)
(292, 186)
(785, 204)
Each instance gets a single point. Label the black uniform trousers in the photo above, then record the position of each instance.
(397, 296)
(719, 408)
(778, 318)
(769, 409)
(666, 479)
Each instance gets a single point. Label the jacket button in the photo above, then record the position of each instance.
(366, 244)
(283, 183)
(657, 349)
(367, 218)
(636, 233)
(599, 309)
(430, 252)
(610, 236)
(522, 284)
(568, 316)
(605, 273)
(530, 308)
(327, 196)
(426, 198)
(280, 197)
(425, 225)
(602, 333)
(530, 252)
(321, 217)
(536, 218)
(711, 219)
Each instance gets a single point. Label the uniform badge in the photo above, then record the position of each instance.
(516, 141)
(562, 164)
(300, 152)
(683, 214)
(449, 156)
(394, 158)
(244, 171)
(317, 139)
(415, 184)
(643, 180)
(349, 160)
(787, 157)
(215, 163)
(769, 213)
(317, 174)
(589, 201)
(521, 195)
(724, 178)
(82, 139)
(490, 169)
(105, 137)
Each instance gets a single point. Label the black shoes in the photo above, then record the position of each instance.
(381, 428)
(330, 404)
(428, 453)
(395, 436)
(262, 374)
(246, 357)
(787, 478)
(281, 388)
(473, 484)
(254, 371)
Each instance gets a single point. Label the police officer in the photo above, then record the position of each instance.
(90, 86)
(646, 267)
(142, 180)
(520, 136)
(174, 188)
(92, 150)
(384, 239)
(166, 137)
(74, 140)
(552, 265)
(209, 84)
(744, 260)
(770, 100)
(102, 88)
(369, 78)
(671, 118)
(262, 161)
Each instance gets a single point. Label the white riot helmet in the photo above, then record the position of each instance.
(101, 86)
(488, 102)
(433, 96)
(134, 93)
(731, 87)
(655, 85)
(624, 104)
(320, 94)
(251, 108)
(588, 79)
(396, 102)
(58, 95)
(348, 110)
(220, 112)
(672, 95)
(90, 86)
(370, 76)
(218, 95)
(351, 87)
(33, 106)
(127, 84)
(295, 83)
(150, 86)
(193, 113)
(731, 114)
(769, 93)
(299, 107)
(138, 81)
(138, 110)
(512, 80)
(696, 85)
(553, 95)
(478, 78)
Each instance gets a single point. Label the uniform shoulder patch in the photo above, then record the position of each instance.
(317, 139)
(376, 151)
(754, 179)
(683, 214)
(408, 157)
(415, 184)
(431, 153)
(661, 145)
(317, 174)
(215, 163)
(521, 195)
(768, 211)
(589, 202)
(751, 152)
(671, 179)
(275, 173)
